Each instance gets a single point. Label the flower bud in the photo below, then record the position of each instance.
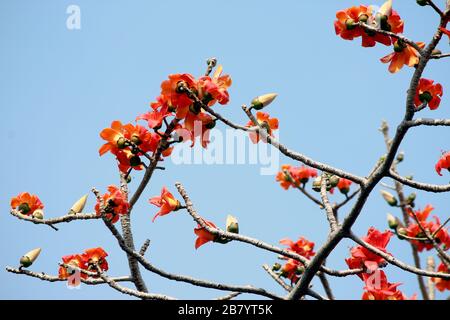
(38, 214)
(422, 3)
(79, 205)
(386, 9)
(136, 140)
(409, 177)
(436, 52)
(276, 266)
(392, 221)
(122, 143)
(425, 97)
(300, 270)
(24, 208)
(128, 179)
(390, 199)
(28, 258)
(317, 184)
(232, 224)
(401, 232)
(400, 157)
(363, 18)
(350, 24)
(135, 161)
(263, 101)
(411, 198)
(334, 180)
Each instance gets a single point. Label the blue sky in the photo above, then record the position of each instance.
(60, 88)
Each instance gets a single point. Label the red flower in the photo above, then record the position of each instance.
(175, 99)
(96, 257)
(422, 215)
(344, 185)
(115, 204)
(290, 176)
(154, 118)
(443, 163)
(429, 93)
(127, 143)
(166, 202)
(378, 288)
(363, 258)
(214, 89)
(442, 284)
(198, 125)
(204, 236)
(26, 203)
(265, 122)
(346, 25)
(291, 270)
(403, 55)
(75, 260)
(441, 237)
(302, 247)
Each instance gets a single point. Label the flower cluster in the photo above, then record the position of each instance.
(366, 259)
(26, 203)
(377, 287)
(434, 228)
(113, 204)
(294, 177)
(89, 260)
(292, 269)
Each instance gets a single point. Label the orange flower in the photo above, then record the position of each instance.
(422, 215)
(115, 204)
(75, 260)
(26, 203)
(166, 202)
(204, 236)
(364, 258)
(403, 55)
(212, 90)
(179, 101)
(302, 247)
(160, 110)
(443, 163)
(290, 176)
(344, 185)
(442, 284)
(198, 125)
(429, 93)
(96, 257)
(115, 137)
(291, 270)
(346, 25)
(378, 288)
(265, 122)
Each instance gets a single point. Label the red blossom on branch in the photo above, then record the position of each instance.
(428, 92)
(26, 203)
(166, 201)
(113, 204)
(443, 163)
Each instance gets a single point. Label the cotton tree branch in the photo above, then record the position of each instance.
(440, 56)
(135, 293)
(125, 222)
(50, 278)
(396, 262)
(419, 185)
(331, 217)
(229, 296)
(430, 267)
(334, 238)
(326, 285)
(428, 122)
(255, 242)
(144, 247)
(193, 281)
(435, 8)
(400, 193)
(277, 278)
(153, 163)
(337, 206)
(53, 221)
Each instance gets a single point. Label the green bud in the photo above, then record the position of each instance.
(317, 184)
(363, 17)
(232, 224)
(392, 221)
(390, 199)
(263, 101)
(24, 208)
(400, 157)
(122, 143)
(350, 24)
(38, 214)
(276, 267)
(334, 180)
(135, 161)
(401, 232)
(27, 259)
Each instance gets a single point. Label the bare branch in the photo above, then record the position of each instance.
(326, 202)
(418, 185)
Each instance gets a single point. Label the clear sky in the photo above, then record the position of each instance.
(59, 88)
